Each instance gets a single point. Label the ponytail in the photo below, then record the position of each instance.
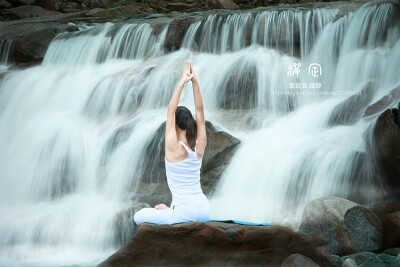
(185, 121)
(191, 132)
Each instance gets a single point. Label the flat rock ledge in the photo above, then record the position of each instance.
(216, 244)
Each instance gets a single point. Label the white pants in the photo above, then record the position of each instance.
(196, 210)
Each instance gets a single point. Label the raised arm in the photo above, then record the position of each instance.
(200, 121)
(171, 139)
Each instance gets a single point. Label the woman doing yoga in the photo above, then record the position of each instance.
(185, 142)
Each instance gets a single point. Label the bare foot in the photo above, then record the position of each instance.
(161, 206)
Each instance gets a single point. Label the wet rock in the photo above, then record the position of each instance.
(225, 4)
(392, 251)
(391, 230)
(345, 226)
(5, 4)
(385, 102)
(180, 6)
(336, 260)
(297, 260)
(27, 12)
(387, 260)
(385, 147)
(349, 263)
(352, 109)
(33, 46)
(220, 149)
(382, 209)
(124, 225)
(176, 32)
(359, 258)
(214, 244)
(239, 90)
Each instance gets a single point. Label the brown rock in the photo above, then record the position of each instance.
(391, 230)
(27, 12)
(225, 4)
(385, 102)
(176, 32)
(220, 149)
(297, 260)
(384, 208)
(385, 148)
(5, 4)
(180, 6)
(215, 244)
(352, 109)
(346, 226)
(33, 46)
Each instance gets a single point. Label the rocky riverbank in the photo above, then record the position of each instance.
(333, 232)
(31, 27)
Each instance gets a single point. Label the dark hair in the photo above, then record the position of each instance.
(185, 121)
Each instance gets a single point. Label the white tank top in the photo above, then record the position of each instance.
(183, 178)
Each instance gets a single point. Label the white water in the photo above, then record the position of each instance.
(59, 201)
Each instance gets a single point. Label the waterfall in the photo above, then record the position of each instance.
(6, 50)
(74, 129)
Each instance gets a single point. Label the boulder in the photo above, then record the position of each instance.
(391, 230)
(359, 258)
(382, 209)
(385, 102)
(345, 226)
(124, 225)
(239, 89)
(180, 6)
(349, 263)
(27, 12)
(33, 46)
(214, 244)
(5, 4)
(385, 147)
(352, 109)
(297, 260)
(176, 32)
(220, 148)
(223, 4)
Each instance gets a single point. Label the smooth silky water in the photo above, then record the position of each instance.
(61, 188)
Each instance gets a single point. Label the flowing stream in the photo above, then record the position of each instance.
(59, 201)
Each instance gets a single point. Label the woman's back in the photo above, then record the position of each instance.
(183, 178)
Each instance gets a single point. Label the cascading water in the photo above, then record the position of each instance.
(66, 176)
(6, 49)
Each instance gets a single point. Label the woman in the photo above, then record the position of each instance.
(185, 142)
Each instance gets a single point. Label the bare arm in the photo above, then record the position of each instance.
(171, 139)
(200, 121)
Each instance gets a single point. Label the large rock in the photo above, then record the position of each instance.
(297, 260)
(33, 46)
(386, 149)
(346, 226)
(352, 109)
(220, 149)
(214, 244)
(176, 32)
(239, 89)
(32, 36)
(225, 4)
(27, 12)
(391, 230)
(385, 102)
(124, 225)
(381, 209)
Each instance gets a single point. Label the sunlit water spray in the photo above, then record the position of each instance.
(63, 180)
